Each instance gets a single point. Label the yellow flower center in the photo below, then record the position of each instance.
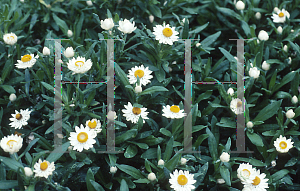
(12, 37)
(11, 143)
(246, 172)
(79, 63)
(26, 58)
(82, 137)
(18, 116)
(44, 165)
(136, 110)
(92, 125)
(256, 181)
(167, 32)
(182, 180)
(139, 73)
(174, 109)
(239, 104)
(281, 14)
(282, 144)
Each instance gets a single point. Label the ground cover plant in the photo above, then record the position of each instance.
(141, 140)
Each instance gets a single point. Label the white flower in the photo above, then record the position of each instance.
(94, 124)
(142, 72)
(28, 171)
(89, 3)
(27, 61)
(173, 112)
(11, 144)
(83, 138)
(151, 176)
(290, 114)
(107, 24)
(230, 91)
(79, 65)
(43, 168)
(126, 26)
(294, 99)
(46, 51)
(133, 113)
(22, 1)
(225, 157)
(182, 180)
(12, 97)
(151, 18)
(273, 163)
(240, 5)
(183, 21)
(263, 35)
(283, 145)
(198, 44)
(257, 182)
(69, 52)
(280, 16)
(161, 162)
(220, 181)
(111, 115)
(249, 124)
(113, 169)
(265, 66)
(174, 62)
(236, 106)
(254, 72)
(279, 30)
(20, 119)
(165, 34)
(290, 60)
(138, 89)
(183, 161)
(292, 30)
(244, 171)
(10, 38)
(257, 15)
(285, 48)
(70, 33)
(276, 9)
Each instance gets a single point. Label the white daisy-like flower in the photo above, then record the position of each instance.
(11, 144)
(79, 65)
(107, 24)
(257, 182)
(20, 118)
(142, 72)
(173, 112)
(236, 106)
(182, 180)
(10, 38)
(27, 61)
(43, 168)
(244, 171)
(83, 138)
(126, 26)
(94, 124)
(133, 113)
(283, 145)
(280, 16)
(165, 34)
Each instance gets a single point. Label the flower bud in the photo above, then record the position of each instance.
(28, 171)
(89, 3)
(254, 72)
(183, 21)
(290, 114)
(276, 9)
(107, 24)
(111, 115)
(12, 97)
(46, 51)
(250, 125)
(263, 35)
(70, 148)
(22, 1)
(285, 48)
(198, 44)
(265, 65)
(138, 89)
(279, 30)
(290, 60)
(151, 18)
(174, 62)
(230, 91)
(294, 99)
(151, 176)
(257, 15)
(240, 5)
(292, 30)
(183, 161)
(225, 157)
(161, 162)
(220, 181)
(70, 33)
(113, 169)
(69, 52)
(170, 69)
(273, 163)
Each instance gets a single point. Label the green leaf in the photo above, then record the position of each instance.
(58, 152)
(130, 171)
(158, 153)
(153, 89)
(171, 164)
(185, 32)
(268, 111)
(125, 136)
(225, 175)
(160, 74)
(90, 177)
(213, 149)
(150, 154)
(227, 54)
(131, 151)
(124, 186)
(169, 149)
(155, 11)
(246, 28)
(9, 89)
(255, 139)
(210, 39)
(29, 147)
(61, 23)
(278, 175)
(97, 186)
(199, 29)
(165, 132)
(291, 162)
(286, 79)
(10, 163)
(143, 181)
(48, 87)
(200, 175)
(8, 184)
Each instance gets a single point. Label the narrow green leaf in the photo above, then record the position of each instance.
(58, 152)
(130, 171)
(268, 111)
(225, 175)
